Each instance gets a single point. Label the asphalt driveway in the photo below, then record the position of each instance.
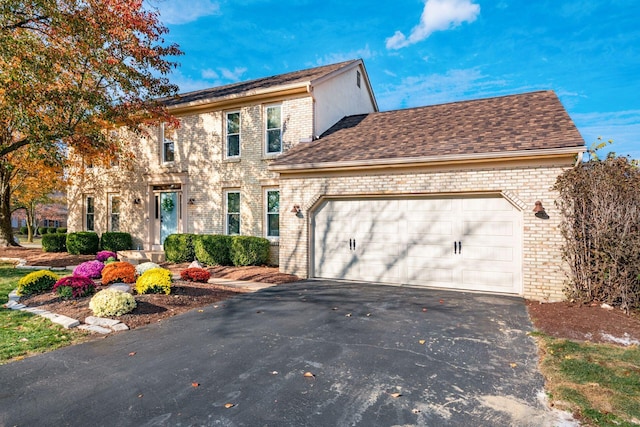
(379, 356)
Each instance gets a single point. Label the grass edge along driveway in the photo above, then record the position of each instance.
(24, 334)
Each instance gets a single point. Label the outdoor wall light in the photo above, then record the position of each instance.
(539, 211)
(137, 201)
(295, 209)
(191, 201)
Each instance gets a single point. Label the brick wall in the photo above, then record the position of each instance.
(543, 276)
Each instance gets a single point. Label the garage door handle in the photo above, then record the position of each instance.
(350, 244)
(354, 244)
(459, 248)
(455, 247)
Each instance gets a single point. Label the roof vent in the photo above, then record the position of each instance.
(308, 139)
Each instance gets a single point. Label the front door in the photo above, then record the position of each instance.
(168, 214)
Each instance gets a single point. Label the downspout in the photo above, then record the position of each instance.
(579, 159)
(315, 112)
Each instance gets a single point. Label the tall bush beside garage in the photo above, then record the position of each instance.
(115, 241)
(249, 250)
(179, 248)
(600, 206)
(83, 243)
(213, 249)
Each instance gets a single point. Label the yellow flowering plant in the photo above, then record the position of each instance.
(155, 280)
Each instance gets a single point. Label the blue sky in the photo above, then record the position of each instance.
(424, 52)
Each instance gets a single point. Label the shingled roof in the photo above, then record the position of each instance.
(252, 86)
(515, 123)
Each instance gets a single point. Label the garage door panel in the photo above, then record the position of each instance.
(488, 254)
(412, 241)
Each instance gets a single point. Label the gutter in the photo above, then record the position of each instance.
(428, 160)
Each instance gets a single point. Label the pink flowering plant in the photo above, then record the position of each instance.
(103, 256)
(74, 287)
(90, 269)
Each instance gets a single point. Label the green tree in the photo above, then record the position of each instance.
(71, 71)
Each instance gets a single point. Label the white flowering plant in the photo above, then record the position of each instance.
(110, 302)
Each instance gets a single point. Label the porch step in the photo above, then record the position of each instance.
(138, 257)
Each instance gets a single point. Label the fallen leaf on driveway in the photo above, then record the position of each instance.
(415, 411)
(195, 384)
(309, 375)
(274, 373)
(513, 365)
(347, 315)
(229, 405)
(200, 311)
(140, 396)
(133, 353)
(395, 395)
(422, 341)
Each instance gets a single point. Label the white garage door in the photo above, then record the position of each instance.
(465, 243)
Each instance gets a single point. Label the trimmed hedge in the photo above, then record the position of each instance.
(213, 249)
(115, 241)
(42, 230)
(179, 248)
(24, 230)
(51, 230)
(56, 242)
(62, 230)
(249, 250)
(83, 243)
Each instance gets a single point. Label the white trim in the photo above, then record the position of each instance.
(86, 212)
(414, 161)
(110, 197)
(226, 134)
(164, 141)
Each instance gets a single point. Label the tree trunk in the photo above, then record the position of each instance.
(30, 219)
(6, 231)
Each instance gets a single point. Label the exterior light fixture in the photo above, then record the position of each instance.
(137, 201)
(191, 201)
(295, 209)
(539, 211)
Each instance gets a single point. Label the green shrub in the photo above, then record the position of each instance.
(115, 241)
(62, 230)
(212, 249)
(24, 230)
(110, 302)
(83, 243)
(249, 250)
(42, 230)
(179, 248)
(154, 281)
(51, 230)
(37, 282)
(56, 242)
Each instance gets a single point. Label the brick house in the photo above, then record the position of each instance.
(439, 196)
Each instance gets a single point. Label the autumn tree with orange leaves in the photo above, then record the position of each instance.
(71, 70)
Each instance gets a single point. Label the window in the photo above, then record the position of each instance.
(89, 214)
(274, 129)
(233, 212)
(233, 134)
(168, 144)
(272, 210)
(114, 213)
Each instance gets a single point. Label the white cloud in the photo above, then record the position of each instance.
(233, 75)
(332, 58)
(621, 126)
(208, 73)
(177, 12)
(438, 15)
(431, 89)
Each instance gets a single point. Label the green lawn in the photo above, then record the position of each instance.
(599, 382)
(24, 334)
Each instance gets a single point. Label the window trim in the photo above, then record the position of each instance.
(268, 190)
(227, 134)
(163, 143)
(267, 129)
(227, 213)
(87, 213)
(111, 213)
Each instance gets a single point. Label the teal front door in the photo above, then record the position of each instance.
(168, 214)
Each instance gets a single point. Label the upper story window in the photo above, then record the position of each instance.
(89, 213)
(168, 144)
(233, 134)
(274, 129)
(114, 212)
